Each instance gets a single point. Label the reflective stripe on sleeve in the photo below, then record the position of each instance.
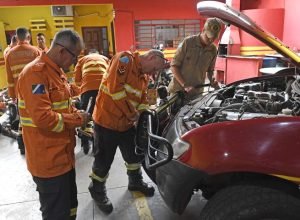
(27, 122)
(143, 107)
(139, 106)
(115, 96)
(60, 105)
(11, 85)
(60, 124)
(132, 90)
(118, 95)
(21, 104)
(135, 104)
(55, 105)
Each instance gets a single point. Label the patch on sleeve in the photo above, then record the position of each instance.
(124, 59)
(121, 70)
(38, 89)
(123, 65)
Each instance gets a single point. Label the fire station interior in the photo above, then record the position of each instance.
(110, 28)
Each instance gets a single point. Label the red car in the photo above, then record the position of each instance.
(239, 145)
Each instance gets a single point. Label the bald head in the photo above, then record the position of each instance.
(153, 61)
(154, 52)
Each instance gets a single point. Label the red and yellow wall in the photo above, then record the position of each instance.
(89, 13)
(281, 19)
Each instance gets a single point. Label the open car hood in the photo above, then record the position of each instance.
(236, 18)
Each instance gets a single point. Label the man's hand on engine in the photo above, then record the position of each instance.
(214, 84)
(189, 89)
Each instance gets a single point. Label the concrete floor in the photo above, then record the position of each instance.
(19, 200)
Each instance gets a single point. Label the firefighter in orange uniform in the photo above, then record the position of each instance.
(41, 42)
(17, 58)
(49, 120)
(121, 97)
(13, 42)
(88, 75)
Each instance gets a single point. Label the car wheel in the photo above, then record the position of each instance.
(246, 202)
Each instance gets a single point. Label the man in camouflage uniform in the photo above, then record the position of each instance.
(195, 56)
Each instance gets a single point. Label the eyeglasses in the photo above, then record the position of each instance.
(74, 56)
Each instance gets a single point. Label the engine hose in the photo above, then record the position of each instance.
(289, 86)
(296, 87)
(233, 106)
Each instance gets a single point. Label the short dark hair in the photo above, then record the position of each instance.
(22, 33)
(40, 34)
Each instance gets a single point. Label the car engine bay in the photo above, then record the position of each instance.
(266, 98)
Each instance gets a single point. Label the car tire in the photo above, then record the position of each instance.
(247, 202)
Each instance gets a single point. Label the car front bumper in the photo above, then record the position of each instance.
(176, 183)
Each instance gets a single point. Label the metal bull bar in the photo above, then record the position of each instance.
(157, 150)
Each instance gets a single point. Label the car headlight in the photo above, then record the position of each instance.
(180, 147)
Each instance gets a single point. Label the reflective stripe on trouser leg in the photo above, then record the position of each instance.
(73, 212)
(93, 176)
(133, 166)
(74, 200)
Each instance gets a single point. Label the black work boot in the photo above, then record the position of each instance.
(98, 193)
(136, 183)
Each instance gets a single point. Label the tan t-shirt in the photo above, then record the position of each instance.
(193, 61)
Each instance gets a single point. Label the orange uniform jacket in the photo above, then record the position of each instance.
(47, 117)
(15, 60)
(6, 50)
(42, 50)
(89, 71)
(122, 93)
